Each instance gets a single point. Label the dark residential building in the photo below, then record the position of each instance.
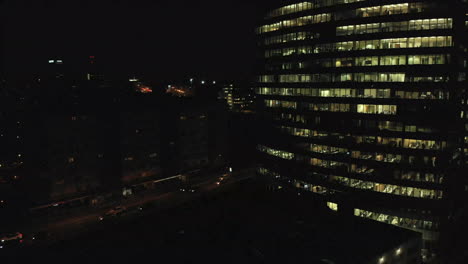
(363, 103)
(71, 132)
(140, 139)
(194, 134)
(79, 135)
(12, 152)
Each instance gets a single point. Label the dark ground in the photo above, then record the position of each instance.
(243, 223)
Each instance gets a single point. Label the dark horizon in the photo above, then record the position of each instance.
(167, 39)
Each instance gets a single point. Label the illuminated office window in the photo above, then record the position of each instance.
(266, 78)
(388, 188)
(393, 60)
(395, 220)
(427, 59)
(275, 152)
(295, 22)
(367, 61)
(377, 109)
(280, 104)
(294, 8)
(332, 206)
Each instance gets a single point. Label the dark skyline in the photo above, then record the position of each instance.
(167, 39)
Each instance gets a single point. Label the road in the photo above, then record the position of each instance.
(84, 222)
(235, 222)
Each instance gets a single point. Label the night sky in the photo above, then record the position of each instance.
(171, 39)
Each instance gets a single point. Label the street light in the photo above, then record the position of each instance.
(398, 252)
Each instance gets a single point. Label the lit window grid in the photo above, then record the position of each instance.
(388, 188)
(361, 77)
(371, 44)
(383, 93)
(295, 22)
(398, 221)
(389, 219)
(377, 140)
(419, 24)
(385, 10)
(274, 152)
(303, 6)
(390, 77)
(346, 166)
(335, 107)
(353, 168)
(367, 61)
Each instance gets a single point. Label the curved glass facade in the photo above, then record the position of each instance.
(360, 104)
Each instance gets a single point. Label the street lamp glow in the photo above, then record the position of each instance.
(202, 82)
(398, 252)
(381, 260)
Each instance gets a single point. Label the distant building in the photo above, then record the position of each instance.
(165, 135)
(12, 151)
(226, 94)
(73, 129)
(79, 134)
(238, 97)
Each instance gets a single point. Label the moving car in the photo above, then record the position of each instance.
(11, 239)
(221, 180)
(116, 211)
(189, 189)
(40, 236)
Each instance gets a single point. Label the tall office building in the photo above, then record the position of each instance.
(364, 104)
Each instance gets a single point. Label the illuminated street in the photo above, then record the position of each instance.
(136, 206)
(238, 219)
